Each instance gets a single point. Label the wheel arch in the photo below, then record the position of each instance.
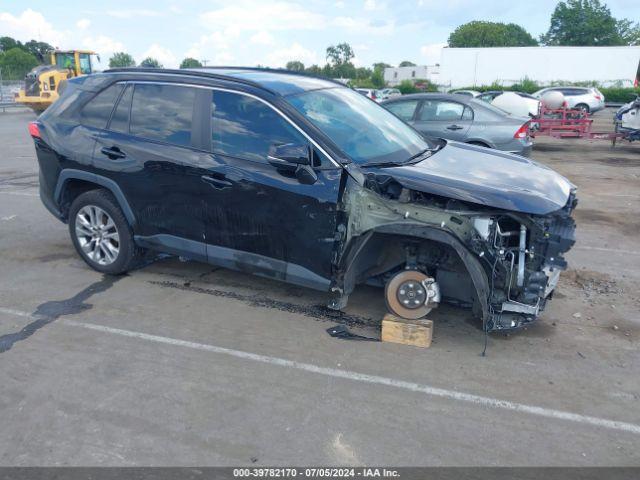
(72, 183)
(354, 261)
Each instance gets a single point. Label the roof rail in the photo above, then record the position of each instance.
(188, 72)
(272, 70)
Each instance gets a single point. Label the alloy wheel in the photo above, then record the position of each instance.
(97, 235)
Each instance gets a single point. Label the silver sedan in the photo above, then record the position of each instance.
(463, 119)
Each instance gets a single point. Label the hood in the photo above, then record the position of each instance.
(486, 177)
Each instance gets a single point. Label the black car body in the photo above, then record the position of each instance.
(180, 161)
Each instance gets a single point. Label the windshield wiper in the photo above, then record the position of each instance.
(403, 162)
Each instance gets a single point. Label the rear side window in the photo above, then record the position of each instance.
(404, 110)
(244, 127)
(97, 111)
(163, 112)
(120, 118)
(435, 110)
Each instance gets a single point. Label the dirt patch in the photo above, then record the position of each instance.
(592, 284)
(620, 161)
(626, 224)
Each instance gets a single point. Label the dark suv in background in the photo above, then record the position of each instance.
(299, 179)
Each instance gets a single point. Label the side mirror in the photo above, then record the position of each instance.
(293, 159)
(289, 155)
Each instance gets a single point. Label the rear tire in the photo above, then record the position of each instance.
(101, 234)
(583, 106)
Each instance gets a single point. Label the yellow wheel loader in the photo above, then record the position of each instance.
(42, 84)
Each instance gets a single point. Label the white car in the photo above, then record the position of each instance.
(388, 93)
(532, 103)
(589, 99)
(467, 93)
(371, 93)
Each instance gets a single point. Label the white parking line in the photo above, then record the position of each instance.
(22, 194)
(357, 377)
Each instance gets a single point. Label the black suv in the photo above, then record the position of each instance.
(299, 179)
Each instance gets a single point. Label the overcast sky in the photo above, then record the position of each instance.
(251, 32)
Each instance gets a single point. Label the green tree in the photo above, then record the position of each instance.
(490, 34)
(377, 78)
(407, 86)
(407, 63)
(295, 66)
(381, 66)
(15, 63)
(150, 62)
(190, 63)
(588, 22)
(314, 70)
(40, 50)
(340, 54)
(363, 73)
(7, 43)
(121, 60)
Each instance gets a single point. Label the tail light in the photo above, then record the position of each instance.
(598, 96)
(522, 132)
(34, 130)
(373, 96)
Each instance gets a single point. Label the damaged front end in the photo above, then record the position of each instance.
(526, 257)
(502, 264)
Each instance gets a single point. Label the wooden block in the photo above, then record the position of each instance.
(408, 332)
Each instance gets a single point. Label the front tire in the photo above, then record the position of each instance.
(101, 234)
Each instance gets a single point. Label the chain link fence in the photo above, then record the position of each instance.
(9, 86)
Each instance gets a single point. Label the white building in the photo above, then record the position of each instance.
(465, 67)
(394, 75)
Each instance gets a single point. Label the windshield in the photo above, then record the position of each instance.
(361, 128)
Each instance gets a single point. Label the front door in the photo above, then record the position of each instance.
(259, 218)
(444, 119)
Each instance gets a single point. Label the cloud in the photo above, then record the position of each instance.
(247, 16)
(432, 52)
(31, 25)
(371, 5)
(365, 25)
(279, 58)
(211, 47)
(162, 54)
(102, 45)
(262, 38)
(133, 13)
(83, 23)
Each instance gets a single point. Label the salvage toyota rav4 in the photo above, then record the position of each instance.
(300, 179)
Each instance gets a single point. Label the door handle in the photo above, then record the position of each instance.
(113, 152)
(454, 127)
(218, 183)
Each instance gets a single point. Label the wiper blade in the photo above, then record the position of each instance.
(403, 162)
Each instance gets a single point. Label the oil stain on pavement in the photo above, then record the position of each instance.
(48, 312)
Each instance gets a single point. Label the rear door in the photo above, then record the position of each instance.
(258, 217)
(153, 149)
(444, 119)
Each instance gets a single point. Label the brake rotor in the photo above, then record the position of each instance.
(406, 295)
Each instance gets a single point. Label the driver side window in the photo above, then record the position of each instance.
(246, 128)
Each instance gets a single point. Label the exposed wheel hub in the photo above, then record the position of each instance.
(411, 294)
